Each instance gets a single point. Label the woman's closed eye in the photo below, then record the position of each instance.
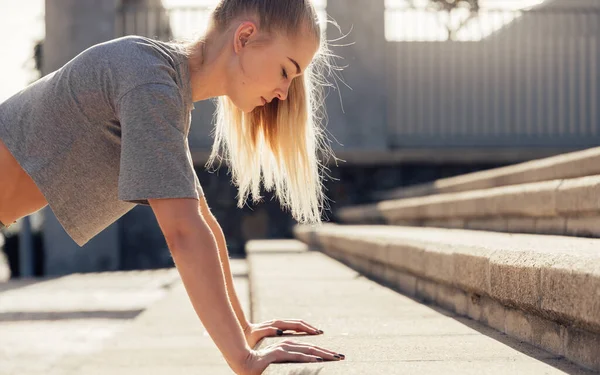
(284, 73)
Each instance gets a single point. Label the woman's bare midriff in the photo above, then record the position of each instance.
(19, 195)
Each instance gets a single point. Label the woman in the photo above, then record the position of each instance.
(109, 130)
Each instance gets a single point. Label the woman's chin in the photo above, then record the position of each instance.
(249, 109)
(245, 108)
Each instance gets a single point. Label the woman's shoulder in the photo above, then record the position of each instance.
(136, 60)
(141, 51)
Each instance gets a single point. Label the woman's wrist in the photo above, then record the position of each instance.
(240, 360)
(247, 328)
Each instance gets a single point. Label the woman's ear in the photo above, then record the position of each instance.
(243, 35)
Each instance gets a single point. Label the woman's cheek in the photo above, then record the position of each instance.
(262, 69)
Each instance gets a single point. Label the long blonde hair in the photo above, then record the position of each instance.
(281, 142)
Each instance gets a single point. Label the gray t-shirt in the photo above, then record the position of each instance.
(105, 132)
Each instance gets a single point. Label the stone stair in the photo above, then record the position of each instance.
(560, 167)
(562, 207)
(502, 247)
(557, 195)
(381, 326)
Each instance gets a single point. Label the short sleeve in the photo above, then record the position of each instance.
(155, 158)
(199, 188)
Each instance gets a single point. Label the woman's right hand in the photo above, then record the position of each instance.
(285, 351)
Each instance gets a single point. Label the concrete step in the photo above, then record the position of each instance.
(165, 338)
(380, 330)
(564, 166)
(562, 207)
(543, 290)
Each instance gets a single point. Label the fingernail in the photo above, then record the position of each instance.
(337, 356)
(341, 355)
(320, 331)
(319, 359)
(279, 332)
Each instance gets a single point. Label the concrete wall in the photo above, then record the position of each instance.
(74, 25)
(358, 119)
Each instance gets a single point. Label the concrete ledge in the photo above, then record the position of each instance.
(564, 166)
(541, 289)
(563, 207)
(380, 330)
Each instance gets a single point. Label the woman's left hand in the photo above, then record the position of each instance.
(256, 331)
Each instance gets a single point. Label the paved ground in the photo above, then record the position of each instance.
(42, 320)
(57, 325)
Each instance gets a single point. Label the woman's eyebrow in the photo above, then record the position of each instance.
(297, 66)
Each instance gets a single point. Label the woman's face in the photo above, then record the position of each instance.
(264, 66)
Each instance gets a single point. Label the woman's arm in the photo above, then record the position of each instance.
(194, 250)
(221, 244)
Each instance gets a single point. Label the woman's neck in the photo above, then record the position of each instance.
(208, 68)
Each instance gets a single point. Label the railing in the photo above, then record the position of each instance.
(526, 79)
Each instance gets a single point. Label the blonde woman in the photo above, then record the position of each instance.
(108, 130)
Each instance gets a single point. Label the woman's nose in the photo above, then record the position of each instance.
(282, 94)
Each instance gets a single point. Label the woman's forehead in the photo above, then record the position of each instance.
(299, 49)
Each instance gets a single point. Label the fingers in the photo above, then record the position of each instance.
(296, 325)
(290, 342)
(281, 355)
(302, 322)
(313, 350)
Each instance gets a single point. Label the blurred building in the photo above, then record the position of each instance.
(510, 85)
